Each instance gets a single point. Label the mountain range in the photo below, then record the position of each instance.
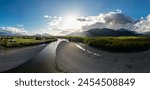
(105, 32)
(90, 32)
(45, 34)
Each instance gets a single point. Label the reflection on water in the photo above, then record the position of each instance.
(96, 54)
(43, 62)
(51, 49)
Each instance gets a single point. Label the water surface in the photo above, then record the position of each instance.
(43, 62)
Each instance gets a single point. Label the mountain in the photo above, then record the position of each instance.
(146, 34)
(37, 35)
(45, 34)
(84, 33)
(104, 32)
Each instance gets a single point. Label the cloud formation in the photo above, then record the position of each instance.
(12, 30)
(59, 25)
(142, 25)
(111, 20)
(46, 16)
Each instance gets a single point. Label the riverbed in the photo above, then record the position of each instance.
(63, 56)
(43, 62)
(13, 57)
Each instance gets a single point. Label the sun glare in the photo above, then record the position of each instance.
(70, 21)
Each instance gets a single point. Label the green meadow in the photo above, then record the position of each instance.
(20, 41)
(115, 44)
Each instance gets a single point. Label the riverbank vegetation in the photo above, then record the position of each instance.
(115, 44)
(20, 41)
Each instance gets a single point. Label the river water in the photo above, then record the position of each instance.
(61, 56)
(44, 62)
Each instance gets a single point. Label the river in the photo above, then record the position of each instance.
(44, 62)
(64, 56)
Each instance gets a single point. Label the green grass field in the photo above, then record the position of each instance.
(24, 41)
(115, 44)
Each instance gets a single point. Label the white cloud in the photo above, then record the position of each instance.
(112, 20)
(46, 16)
(142, 25)
(148, 18)
(55, 21)
(57, 25)
(20, 25)
(12, 30)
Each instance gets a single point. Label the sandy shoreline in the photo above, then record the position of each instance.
(11, 58)
(71, 58)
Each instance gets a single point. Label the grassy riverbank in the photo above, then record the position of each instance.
(21, 41)
(115, 44)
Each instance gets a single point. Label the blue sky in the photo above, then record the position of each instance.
(29, 13)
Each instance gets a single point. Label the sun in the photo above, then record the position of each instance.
(70, 21)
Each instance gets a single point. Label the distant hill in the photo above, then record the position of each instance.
(104, 32)
(45, 34)
(146, 34)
